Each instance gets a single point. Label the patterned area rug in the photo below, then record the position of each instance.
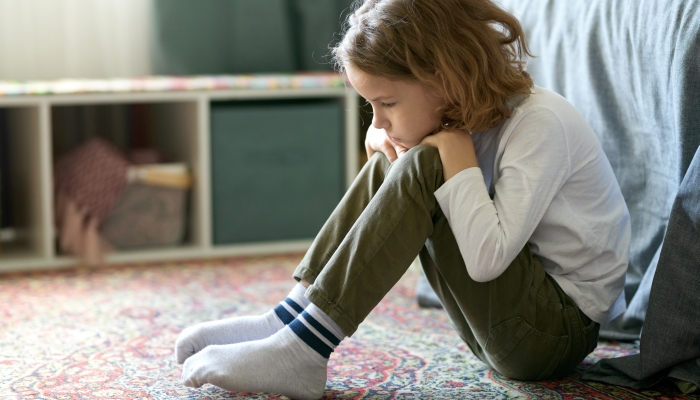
(109, 333)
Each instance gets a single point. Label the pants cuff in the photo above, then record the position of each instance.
(304, 273)
(337, 314)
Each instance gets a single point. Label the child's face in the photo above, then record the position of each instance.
(405, 109)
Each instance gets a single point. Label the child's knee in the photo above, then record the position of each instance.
(422, 159)
(378, 160)
(425, 150)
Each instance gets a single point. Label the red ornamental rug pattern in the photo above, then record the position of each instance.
(109, 334)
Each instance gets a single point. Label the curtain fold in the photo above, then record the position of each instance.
(41, 39)
(56, 39)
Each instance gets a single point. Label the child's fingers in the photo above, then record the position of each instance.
(390, 152)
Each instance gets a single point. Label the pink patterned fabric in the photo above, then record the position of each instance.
(88, 182)
(93, 175)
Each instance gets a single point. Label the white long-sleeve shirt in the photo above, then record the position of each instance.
(543, 179)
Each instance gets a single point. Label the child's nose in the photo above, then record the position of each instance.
(379, 121)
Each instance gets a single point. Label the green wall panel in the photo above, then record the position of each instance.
(277, 168)
(244, 36)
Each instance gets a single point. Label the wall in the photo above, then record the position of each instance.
(54, 39)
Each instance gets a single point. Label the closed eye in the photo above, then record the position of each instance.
(383, 104)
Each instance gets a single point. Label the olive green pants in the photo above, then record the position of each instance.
(521, 324)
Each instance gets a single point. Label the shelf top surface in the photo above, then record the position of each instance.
(153, 84)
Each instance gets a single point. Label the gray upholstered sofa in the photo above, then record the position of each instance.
(632, 68)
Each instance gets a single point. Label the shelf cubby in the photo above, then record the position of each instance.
(169, 127)
(24, 164)
(41, 128)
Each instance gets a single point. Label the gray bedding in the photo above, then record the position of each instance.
(670, 344)
(633, 70)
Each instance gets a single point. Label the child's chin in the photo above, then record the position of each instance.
(411, 145)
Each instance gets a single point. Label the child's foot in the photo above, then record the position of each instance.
(240, 329)
(292, 362)
(281, 364)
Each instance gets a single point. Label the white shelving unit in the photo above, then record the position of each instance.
(180, 128)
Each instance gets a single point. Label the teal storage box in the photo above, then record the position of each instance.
(277, 168)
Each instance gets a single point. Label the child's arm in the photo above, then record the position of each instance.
(534, 165)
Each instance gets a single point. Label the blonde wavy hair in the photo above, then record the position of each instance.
(470, 49)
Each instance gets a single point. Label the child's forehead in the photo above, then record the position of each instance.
(362, 80)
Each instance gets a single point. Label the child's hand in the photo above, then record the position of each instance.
(456, 150)
(432, 140)
(378, 141)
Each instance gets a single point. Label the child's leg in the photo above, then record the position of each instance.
(342, 219)
(281, 363)
(522, 323)
(243, 329)
(373, 236)
(377, 207)
(353, 264)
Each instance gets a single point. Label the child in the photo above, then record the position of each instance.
(500, 187)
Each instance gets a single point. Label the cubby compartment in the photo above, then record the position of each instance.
(277, 166)
(144, 132)
(267, 163)
(22, 210)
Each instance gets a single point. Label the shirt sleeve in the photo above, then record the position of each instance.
(534, 166)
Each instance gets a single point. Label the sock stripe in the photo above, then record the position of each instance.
(310, 338)
(320, 328)
(283, 314)
(288, 308)
(294, 305)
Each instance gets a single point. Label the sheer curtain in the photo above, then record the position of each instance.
(53, 39)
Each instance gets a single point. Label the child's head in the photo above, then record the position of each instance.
(469, 51)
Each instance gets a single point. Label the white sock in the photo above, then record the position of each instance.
(240, 329)
(292, 362)
(318, 330)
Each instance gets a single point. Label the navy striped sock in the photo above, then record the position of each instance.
(317, 330)
(287, 310)
(295, 303)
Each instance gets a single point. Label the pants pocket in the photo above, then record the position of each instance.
(519, 351)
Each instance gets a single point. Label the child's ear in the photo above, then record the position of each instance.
(439, 82)
(436, 89)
